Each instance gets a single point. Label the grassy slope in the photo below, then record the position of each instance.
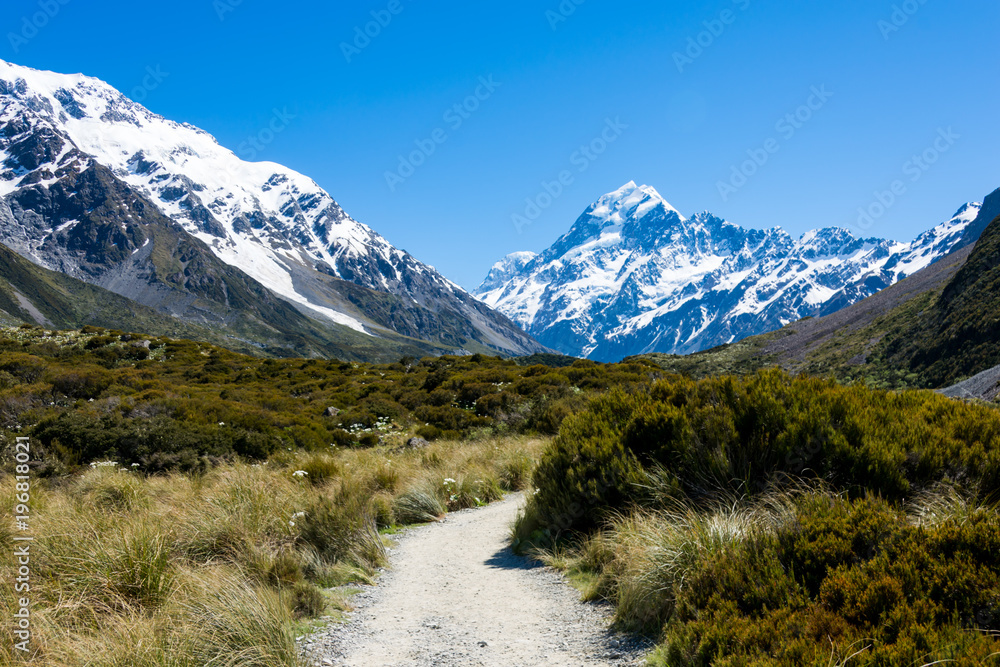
(958, 335)
(67, 303)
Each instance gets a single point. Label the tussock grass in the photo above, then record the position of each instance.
(217, 569)
(948, 502)
(643, 560)
(418, 506)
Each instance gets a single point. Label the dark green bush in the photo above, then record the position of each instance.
(99, 342)
(307, 600)
(429, 432)
(25, 368)
(845, 578)
(587, 470)
(85, 383)
(738, 435)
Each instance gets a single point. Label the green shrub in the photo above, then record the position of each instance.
(738, 436)
(86, 383)
(99, 342)
(25, 368)
(307, 601)
(587, 470)
(430, 433)
(896, 593)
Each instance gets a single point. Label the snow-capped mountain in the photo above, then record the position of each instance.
(268, 222)
(634, 276)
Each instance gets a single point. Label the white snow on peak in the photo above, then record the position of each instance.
(520, 257)
(630, 201)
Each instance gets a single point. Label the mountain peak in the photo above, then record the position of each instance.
(630, 201)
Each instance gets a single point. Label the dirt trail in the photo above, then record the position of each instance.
(456, 595)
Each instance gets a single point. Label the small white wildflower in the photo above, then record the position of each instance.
(300, 473)
(222, 423)
(449, 480)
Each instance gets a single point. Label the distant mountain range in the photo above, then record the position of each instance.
(96, 187)
(634, 276)
(937, 329)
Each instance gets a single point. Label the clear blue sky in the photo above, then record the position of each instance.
(892, 90)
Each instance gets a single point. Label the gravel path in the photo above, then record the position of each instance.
(456, 595)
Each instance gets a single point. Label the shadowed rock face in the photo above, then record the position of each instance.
(86, 174)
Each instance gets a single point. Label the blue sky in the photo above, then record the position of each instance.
(692, 90)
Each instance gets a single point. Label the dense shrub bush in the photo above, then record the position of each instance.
(845, 578)
(85, 383)
(24, 368)
(739, 435)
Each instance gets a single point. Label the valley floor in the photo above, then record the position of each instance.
(456, 595)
